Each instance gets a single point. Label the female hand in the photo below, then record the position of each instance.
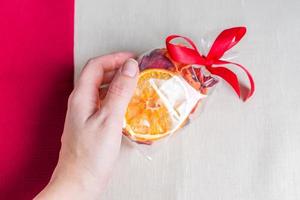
(93, 128)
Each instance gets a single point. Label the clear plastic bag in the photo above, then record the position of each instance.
(173, 84)
(165, 99)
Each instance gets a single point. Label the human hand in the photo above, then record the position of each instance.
(93, 128)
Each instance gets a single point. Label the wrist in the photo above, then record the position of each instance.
(72, 182)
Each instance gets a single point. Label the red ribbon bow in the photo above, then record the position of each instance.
(225, 41)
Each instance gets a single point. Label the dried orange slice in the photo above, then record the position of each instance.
(148, 117)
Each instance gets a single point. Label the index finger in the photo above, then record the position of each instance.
(95, 68)
(86, 89)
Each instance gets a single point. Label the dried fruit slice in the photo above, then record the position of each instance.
(156, 59)
(149, 115)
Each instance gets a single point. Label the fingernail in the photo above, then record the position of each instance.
(130, 68)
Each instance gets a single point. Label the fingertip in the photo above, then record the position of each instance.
(130, 68)
(123, 56)
(128, 53)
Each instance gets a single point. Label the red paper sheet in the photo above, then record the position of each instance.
(36, 77)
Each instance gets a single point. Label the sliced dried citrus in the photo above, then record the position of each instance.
(149, 116)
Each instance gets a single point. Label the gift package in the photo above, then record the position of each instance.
(173, 83)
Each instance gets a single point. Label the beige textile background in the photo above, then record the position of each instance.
(235, 150)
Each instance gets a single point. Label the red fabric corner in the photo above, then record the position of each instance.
(36, 77)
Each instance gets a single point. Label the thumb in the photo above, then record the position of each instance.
(121, 90)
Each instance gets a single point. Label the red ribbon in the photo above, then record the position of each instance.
(225, 41)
